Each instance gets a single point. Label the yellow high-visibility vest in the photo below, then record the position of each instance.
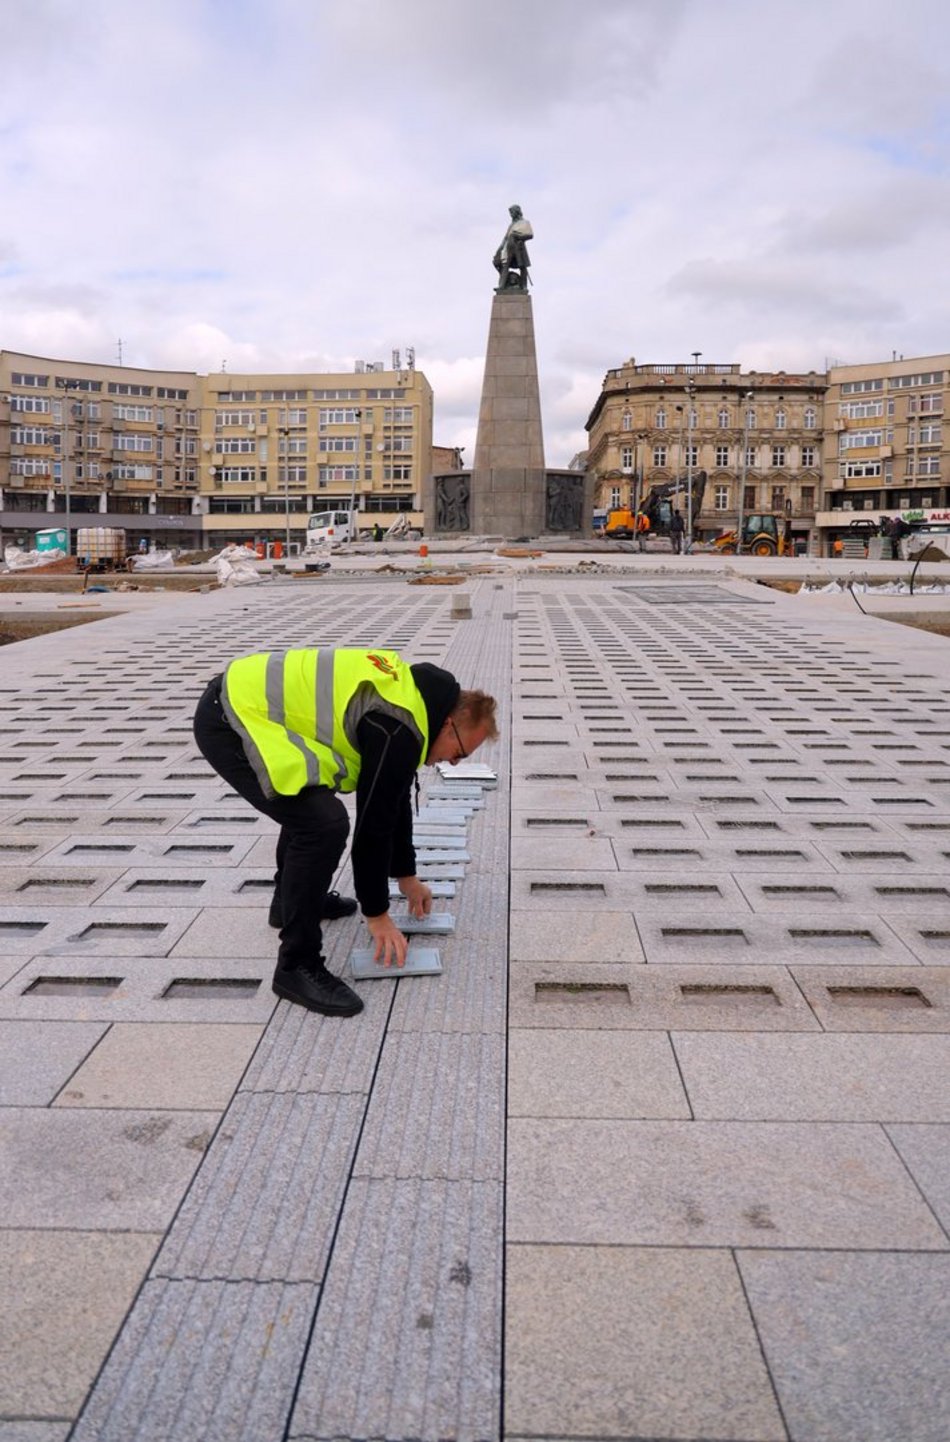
(296, 712)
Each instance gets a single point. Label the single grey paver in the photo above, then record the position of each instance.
(817, 1078)
(856, 1343)
(102, 1170)
(712, 1184)
(65, 1294)
(627, 1342)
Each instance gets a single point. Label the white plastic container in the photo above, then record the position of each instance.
(100, 546)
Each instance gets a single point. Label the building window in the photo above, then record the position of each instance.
(614, 497)
(723, 419)
(292, 475)
(864, 410)
(120, 388)
(38, 405)
(810, 418)
(336, 443)
(238, 446)
(659, 455)
(722, 455)
(750, 457)
(750, 418)
(928, 465)
(402, 416)
(235, 418)
(132, 443)
(778, 498)
(626, 457)
(721, 498)
(808, 498)
(690, 455)
(778, 455)
(296, 418)
(781, 420)
(854, 388)
(626, 421)
(808, 455)
(231, 505)
(927, 404)
(748, 502)
(857, 470)
(337, 473)
(18, 378)
(401, 471)
(930, 434)
(297, 446)
(661, 419)
(238, 475)
(399, 443)
(338, 415)
(132, 413)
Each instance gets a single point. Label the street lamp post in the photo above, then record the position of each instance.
(358, 416)
(638, 441)
(690, 399)
(67, 386)
(284, 433)
(746, 403)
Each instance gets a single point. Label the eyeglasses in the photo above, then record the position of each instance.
(464, 755)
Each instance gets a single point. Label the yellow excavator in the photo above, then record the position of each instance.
(762, 535)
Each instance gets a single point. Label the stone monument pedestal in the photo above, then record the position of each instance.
(509, 491)
(508, 473)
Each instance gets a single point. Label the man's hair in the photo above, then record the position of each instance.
(477, 708)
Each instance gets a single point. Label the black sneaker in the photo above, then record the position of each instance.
(335, 906)
(317, 989)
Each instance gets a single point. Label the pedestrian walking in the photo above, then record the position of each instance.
(677, 528)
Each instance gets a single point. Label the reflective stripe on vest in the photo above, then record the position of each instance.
(297, 712)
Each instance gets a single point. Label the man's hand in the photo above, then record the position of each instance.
(417, 894)
(389, 944)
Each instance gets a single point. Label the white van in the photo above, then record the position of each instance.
(332, 526)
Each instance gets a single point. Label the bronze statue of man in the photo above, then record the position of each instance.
(511, 258)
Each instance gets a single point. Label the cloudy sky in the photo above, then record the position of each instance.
(296, 184)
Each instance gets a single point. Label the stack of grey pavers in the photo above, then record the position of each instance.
(726, 1202)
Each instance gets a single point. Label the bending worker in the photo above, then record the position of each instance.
(288, 730)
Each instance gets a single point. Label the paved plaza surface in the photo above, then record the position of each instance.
(661, 1154)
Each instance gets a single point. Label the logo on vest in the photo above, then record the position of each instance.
(381, 664)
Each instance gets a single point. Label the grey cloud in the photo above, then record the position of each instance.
(752, 285)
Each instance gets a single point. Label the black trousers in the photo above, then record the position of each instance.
(313, 829)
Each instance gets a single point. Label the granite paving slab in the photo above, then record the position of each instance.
(265, 1205)
(213, 1360)
(856, 1343)
(163, 1065)
(912, 998)
(630, 997)
(594, 936)
(38, 1058)
(65, 1293)
(817, 1078)
(130, 988)
(439, 1311)
(675, 1183)
(562, 1073)
(116, 1170)
(620, 1342)
(925, 1151)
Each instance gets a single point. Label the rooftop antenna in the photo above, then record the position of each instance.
(397, 362)
(118, 346)
(411, 358)
(224, 367)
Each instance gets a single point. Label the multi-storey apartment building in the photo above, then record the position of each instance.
(749, 431)
(886, 450)
(191, 460)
